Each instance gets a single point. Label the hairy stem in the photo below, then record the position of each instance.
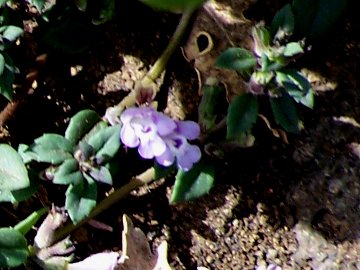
(142, 179)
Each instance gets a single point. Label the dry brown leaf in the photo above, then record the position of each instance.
(136, 253)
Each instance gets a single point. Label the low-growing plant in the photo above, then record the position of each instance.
(267, 73)
(87, 155)
(9, 33)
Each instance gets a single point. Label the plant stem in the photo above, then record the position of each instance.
(130, 100)
(142, 179)
(155, 71)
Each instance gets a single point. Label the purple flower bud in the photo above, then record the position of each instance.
(157, 135)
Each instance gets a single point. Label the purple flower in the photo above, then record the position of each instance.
(157, 135)
(179, 148)
(143, 128)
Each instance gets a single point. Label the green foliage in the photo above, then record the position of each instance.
(68, 173)
(285, 113)
(13, 244)
(49, 148)
(105, 143)
(268, 74)
(194, 183)
(238, 59)
(80, 124)
(81, 4)
(19, 194)
(106, 11)
(161, 171)
(296, 85)
(311, 19)
(208, 106)
(80, 199)
(315, 18)
(39, 4)
(242, 114)
(27, 224)
(173, 5)
(10, 32)
(8, 35)
(283, 23)
(13, 248)
(80, 159)
(13, 173)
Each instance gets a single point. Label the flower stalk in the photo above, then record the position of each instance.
(138, 181)
(159, 66)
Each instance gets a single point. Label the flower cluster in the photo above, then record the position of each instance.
(157, 135)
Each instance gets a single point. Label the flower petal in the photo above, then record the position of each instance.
(128, 114)
(158, 146)
(150, 148)
(166, 159)
(145, 150)
(128, 136)
(191, 156)
(165, 125)
(189, 129)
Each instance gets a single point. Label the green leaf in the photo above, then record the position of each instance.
(39, 4)
(49, 148)
(3, 2)
(81, 4)
(283, 23)
(13, 173)
(80, 124)
(285, 113)
(101, 175)
(292, 49)
(68, 173)
(315, 18)
(27, 224)
(242, 114)
(237, 59)
(308, 99)
(86, 150)
(193, 183)
(94, 130)
(2, 64)
(296, 85)
(107, 11)
(173, 5)
(106, 143)
(19, 194)
(80, 200)
(207, 108)
(11, 32)
(261, 38)
(162, 171)
(13, 248)
(7, 77)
